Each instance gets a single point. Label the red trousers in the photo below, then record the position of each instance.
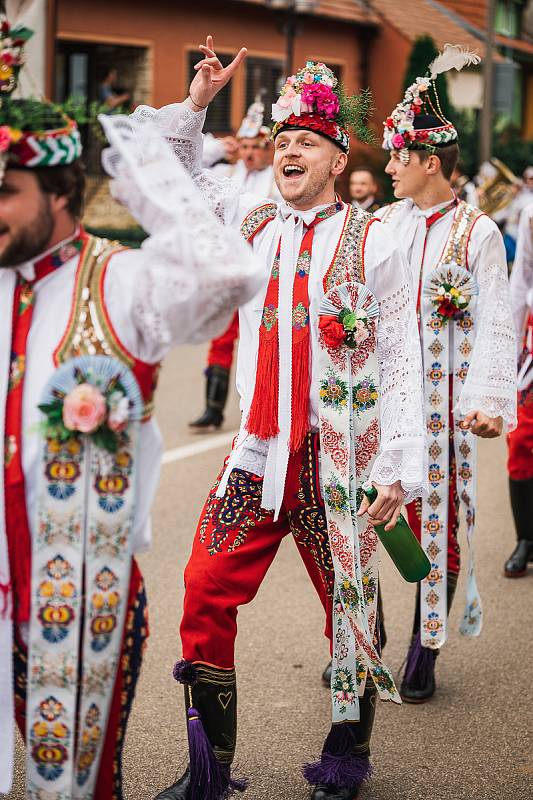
(414, 514)
(109, 782)
(520, 441)
(221, 349)
(235, 544)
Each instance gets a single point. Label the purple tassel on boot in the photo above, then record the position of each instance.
(185, 672)
(420, 662)
(338, 765)
(210, 779)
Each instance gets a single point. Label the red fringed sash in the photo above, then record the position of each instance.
(263, 416)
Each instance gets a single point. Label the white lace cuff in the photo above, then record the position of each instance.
(409, 466)
(491, 405)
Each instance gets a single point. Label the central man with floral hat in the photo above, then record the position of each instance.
(329, 380)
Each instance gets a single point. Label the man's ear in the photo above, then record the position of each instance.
(339, 163)
(58, 202)
(433, 165)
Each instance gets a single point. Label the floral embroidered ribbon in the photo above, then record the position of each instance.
(92, 408)
(448, 334)
(349, 441)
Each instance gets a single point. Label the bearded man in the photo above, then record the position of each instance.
(331, 332)
(84, 326)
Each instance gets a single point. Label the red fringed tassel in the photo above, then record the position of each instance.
(263, 417)
(301, 385)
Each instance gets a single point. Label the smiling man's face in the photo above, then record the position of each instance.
(305, 167)
(26, 218)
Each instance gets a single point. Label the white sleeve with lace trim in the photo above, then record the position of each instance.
(490, 385)
(403, 452)
(192, 272)
(521, 283)
(182, 128)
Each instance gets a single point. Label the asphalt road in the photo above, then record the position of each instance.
(474, 740)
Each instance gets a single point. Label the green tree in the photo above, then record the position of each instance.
(423, 52)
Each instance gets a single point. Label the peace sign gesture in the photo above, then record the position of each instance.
(211, 76)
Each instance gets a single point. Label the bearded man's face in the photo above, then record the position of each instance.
(26, 218)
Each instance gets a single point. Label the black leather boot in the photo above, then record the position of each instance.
(211, 708)
(344, 764)
(216, 394)
(521, 493)
(418, 684)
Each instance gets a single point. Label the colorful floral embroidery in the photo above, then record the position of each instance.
(433, 624)
(343, 688)
(58, 529)
(10, 449)
(333, 391)
(334, 444)
(369, 587)
(16, 371)
(270, 317)
(105, 604)
(349, 596)
(365, 395)
(50, 738)
(336, 496)
(300, 317)
(366, 447)
(90, 738)
(303, 265)
(341, 547)
(55, 614)
(435, 474)
(383, 679)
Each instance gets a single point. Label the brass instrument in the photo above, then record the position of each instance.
(498, 192)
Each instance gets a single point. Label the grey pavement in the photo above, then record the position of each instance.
(474, 740)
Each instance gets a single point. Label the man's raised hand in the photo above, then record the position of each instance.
(211, 76)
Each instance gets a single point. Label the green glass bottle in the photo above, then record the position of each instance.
(403, 547)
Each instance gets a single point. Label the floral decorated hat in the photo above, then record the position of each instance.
(33, 133)
(417, 122)
(252, 125)
(314, 100)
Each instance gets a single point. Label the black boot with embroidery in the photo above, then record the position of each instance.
(216, 394)
(211, 707)
(344, 764)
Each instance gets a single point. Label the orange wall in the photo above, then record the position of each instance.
(172, 28)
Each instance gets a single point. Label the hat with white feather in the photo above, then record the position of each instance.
(417, 122)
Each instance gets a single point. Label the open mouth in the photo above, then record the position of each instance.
(293, 171)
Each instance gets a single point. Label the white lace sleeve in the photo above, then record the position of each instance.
(490, 385)
(521, 283)
(195, 271)
(403, 450)
(182, 128)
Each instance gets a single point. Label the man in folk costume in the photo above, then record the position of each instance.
(253, 173)
(520, 461)
(459, 277)
(83, 328)
(328, 366)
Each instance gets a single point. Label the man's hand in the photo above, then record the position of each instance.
(386, 507)
(483, 426)
(211, 76)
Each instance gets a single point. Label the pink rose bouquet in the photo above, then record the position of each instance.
(84, 409)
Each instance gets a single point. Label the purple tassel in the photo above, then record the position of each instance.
(210, 780)
(420, 662)
(185, 672)
(338, 765)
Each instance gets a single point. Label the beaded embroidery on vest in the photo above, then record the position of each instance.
(348, 263)
(89, 331)
(457, 245)
(257, 219)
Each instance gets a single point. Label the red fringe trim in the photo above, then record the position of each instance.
(301, 384)
(263, 417)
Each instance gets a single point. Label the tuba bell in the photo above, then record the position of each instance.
(499, 190)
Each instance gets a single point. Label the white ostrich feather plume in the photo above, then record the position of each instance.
(453, 56)
(15, 9)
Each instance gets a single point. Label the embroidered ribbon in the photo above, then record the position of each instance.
(349, 440)
(17, 525)
(81, 567)
(446, 349)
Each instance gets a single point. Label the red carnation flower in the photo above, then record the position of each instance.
(447, 309)
(333, 332)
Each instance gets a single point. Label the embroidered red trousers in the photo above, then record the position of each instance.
(221, 350)
(235, 544)
(109, 782)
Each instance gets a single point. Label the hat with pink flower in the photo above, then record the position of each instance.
(33, 133)
(313, 99)
(417, 122)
